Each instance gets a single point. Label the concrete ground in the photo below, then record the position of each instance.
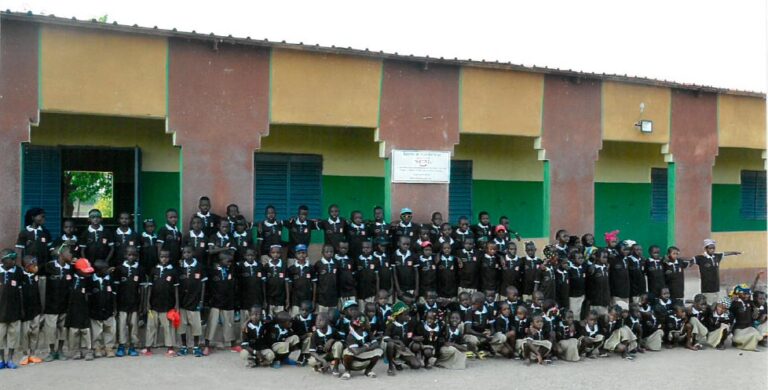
(677, 368)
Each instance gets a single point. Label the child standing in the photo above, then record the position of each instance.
(10, 307)
(58, 278)
(128, 277)
(346, 274)
(709, 269)
(405, 227)
(124, 237)
(511, 269)
(545, 275)
(68, 238)
(674, 276)
(210, 220)
(469, 267)
(619, 275)
(379, 228)
(101, 304)
(163, 296)
(654, 271)
(192, 279)
(406, 269)
(219, 242)
(383, 265)
(356, 233)
(196, 240)
(241, 239)
(96, 242)
(577, 283)
(636, 268)
(531, 264)
(490, 269)
(334, 227)
(77, 321)
(299, 230)
(276, 282)
(326, 269)
(598, 283)
(169, 237)
(222, 302)
(302, 280)
(32, 319)
(483, 227)
(35, 240)
(367, 274)
(447, 286)
(148, 253)
(427, 270)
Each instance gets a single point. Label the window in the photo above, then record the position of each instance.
(659, 194)
(287, 181)
(85, 190)
(460, 190)
(753, 195)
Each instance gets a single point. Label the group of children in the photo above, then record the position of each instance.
(421, 295)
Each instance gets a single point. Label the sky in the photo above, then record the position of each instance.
(704, 42)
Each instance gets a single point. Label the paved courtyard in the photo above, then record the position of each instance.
(678, 368)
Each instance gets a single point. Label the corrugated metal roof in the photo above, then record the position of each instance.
(229, 39)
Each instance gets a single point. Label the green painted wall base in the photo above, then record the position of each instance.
(521, 201)
(627, 207)
(726, 214)
(159, 192)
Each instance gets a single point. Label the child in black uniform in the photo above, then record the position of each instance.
(636, 268)
(490, 269)
(192, 279)
(77, 321)
(427, 270)
(32, 319)
(10, 306)
(447, 283)
(163, 296)
(545, 275)
(210, 220)
(654, 270)
(276, 282)
(219, 242)
(241, 239)
(148, 253)
(197, 241)
(58, 274)
(34, 240)
(169, 237)
(270, 231)
(469, 267)
(101, 304)
(326, 271)
(129, 276)
(299, 230)
(406, 269)
(674, 274)
(68, 237)
(124, 237)
(222, 301)
(531, 264)
(96, 242)
(367, 274)
(346, 275)
(356, 233)
(383, 265)
(334, 227)
(302, 280)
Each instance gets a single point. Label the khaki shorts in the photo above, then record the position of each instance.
(191, 324)
(53, 328)
(9, 334)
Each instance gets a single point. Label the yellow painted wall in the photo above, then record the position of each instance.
(345, 151)
(741, 122)
(324, 89)
(752, 245)
(157, 150)
(501, 102)
(628, 162)
(496, 157)
(731, 161)
(98, 72)
(621, 110)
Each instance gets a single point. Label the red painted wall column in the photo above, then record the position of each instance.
(18, 109)
(218, 106)
(693, 144)
(419, 110)
(571, 136)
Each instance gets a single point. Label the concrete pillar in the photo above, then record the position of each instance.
(693, 146)
(18, 109)
(571, 140)
(218, 108)
(419, 110)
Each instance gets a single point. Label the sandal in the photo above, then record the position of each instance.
(370, 374)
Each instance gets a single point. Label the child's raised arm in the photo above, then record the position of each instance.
(757, 279)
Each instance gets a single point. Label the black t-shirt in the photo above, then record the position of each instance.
(58, 279)
(123, 239)
(320, 337)
(199, 242)
(170, 239)
(96, 243)
(241, 242)
(250, 283)
(346, 277)
(356, 234)
(78, 314)
(530, 265)
(256, 336)
(335, 231)
(674, 278)
(10, 294)
(619, 276)
(275, 278)
(709, 269)
(71, 241)
(302, 279)
(128, 278)
(270, 233)
(191, 280)
(562, 285)
(379, 230)
(211, 222)
(35, 242)
(31, 293)
(164, 280)
(327, 287)
(222, 283)
(489, 272)
(469, 269)
(577, 275)
(636, 276)
(598, 288)
(303, 325)
(545, 280)
(742, 314)
(298, 233)
(480, 320)
(654, 273)
(427, 275)
(148, 252)
(460, 236)
(403, 332)
(481, 230)
(511, 273)
(217, 241)
(447, 284)
(279, 334)
(411, 230)
(384, 267)
(406, 269)
(432, 334)
(367, 271)
(101, 299)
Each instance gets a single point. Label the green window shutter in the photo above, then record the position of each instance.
(659, 205)
(41, 184)
(460, 190)
(287, 181)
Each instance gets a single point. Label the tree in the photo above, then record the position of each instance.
(86, 187)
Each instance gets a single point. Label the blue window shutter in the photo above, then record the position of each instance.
(41, 181)
(305, 184)
(270, 185)
(659, 209)
(460, 190)
(753, 195)
(287, 181)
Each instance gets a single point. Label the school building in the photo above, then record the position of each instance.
(176, 115)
